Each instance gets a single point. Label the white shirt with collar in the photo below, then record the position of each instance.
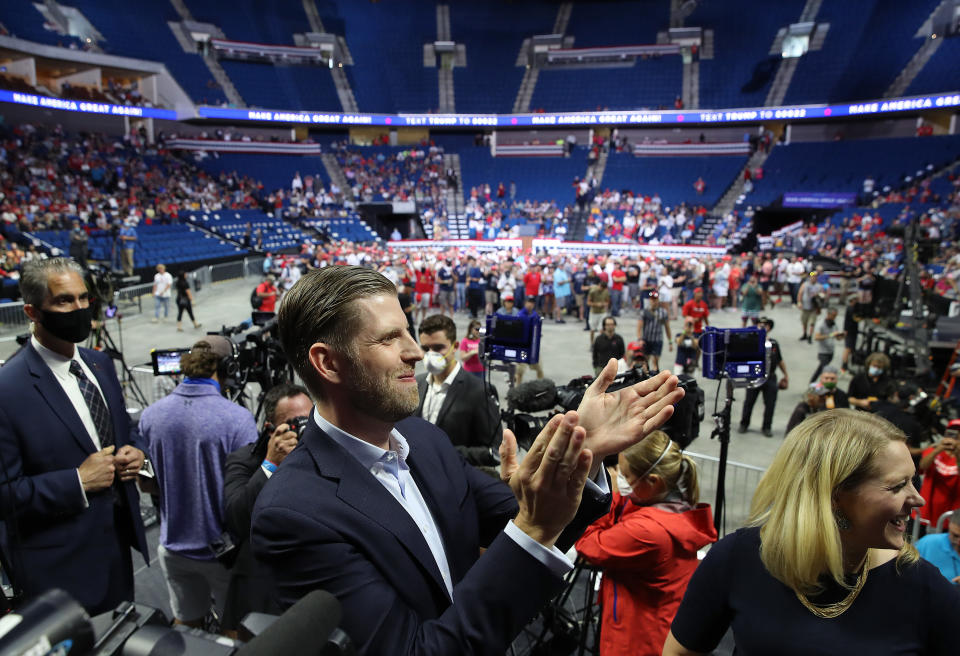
(60, 368)
(437, 393)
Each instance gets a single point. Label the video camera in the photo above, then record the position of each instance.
(256, 357)
(544, 396)
(100, 285)
(739, 354)
(511, 338)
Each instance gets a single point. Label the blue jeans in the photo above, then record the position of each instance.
(615, 296)
(161, 302)
(461, 295)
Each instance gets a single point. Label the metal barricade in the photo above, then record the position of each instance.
(12, 318)
(153, 387)
(127, 297)
(741, 482)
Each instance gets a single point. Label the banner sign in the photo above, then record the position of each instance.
(623, 118)
(819, 199)
(691, 149)
(240, 146)
(85, 106)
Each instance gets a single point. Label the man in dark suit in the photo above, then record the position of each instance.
(453, 399)
(69, 455)
(247, 470)
(379, 509)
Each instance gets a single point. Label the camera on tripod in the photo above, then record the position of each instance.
(741, 355)
(511, 338)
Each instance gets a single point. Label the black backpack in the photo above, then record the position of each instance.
(255, 300)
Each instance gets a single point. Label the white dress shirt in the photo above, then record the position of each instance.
(436, 394)
(60, 367)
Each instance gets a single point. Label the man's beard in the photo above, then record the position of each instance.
(379, 396)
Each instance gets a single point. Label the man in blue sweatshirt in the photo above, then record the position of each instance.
(189, 435)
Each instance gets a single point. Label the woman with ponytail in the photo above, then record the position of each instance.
(647, 545)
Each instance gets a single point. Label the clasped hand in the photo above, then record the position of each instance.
(549, 482)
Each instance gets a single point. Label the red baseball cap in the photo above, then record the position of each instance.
(698, 289)
(634, 347)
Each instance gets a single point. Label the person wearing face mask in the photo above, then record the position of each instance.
(647, 545)
(70, 452)
(872, 384)
(835, 397)
(453, 399)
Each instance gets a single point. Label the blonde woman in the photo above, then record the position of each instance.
(647, 545)
(824, 567)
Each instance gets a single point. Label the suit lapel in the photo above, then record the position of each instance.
(455, 388)
(362, 491)
(49, 388)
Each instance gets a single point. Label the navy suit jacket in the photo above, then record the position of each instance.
(42, 442)
(468, 416)
(324, 522)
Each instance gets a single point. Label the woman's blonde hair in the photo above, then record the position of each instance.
(676, 469)
(829, 451)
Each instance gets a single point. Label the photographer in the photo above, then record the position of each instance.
(189, 434)
(247, 471)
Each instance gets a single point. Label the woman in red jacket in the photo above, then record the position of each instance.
(647, 545)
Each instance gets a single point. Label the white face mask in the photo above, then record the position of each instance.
(435, 362)
(623, 487)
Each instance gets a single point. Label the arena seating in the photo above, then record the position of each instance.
(251, 20)
(490, 81)
(232, 224)
(270, 86)
(673, 177)
(273, 171)
(941, 73)
(650, 83)
(541, 178)
(743, 34)
(170, 244)
(843, 165)
(386, 43)
(25, 22)
(149, 37)
(886, 44)
(351, 228)
(613, 23)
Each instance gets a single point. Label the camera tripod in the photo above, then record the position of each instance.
(101, 339)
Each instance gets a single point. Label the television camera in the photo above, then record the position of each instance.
(511, 338)
(741, 357)
(256, 357)
(546, 399)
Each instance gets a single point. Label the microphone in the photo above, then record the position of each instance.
(304, 629)
(52, 620)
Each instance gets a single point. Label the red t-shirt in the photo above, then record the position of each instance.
(941, 486)
(531, 283)
(619, 277)
(699, 311)
(268, 303)
(424, 282)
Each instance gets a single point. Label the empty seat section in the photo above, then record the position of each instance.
(673, 177)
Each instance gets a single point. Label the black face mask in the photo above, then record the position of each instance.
(71, 326)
